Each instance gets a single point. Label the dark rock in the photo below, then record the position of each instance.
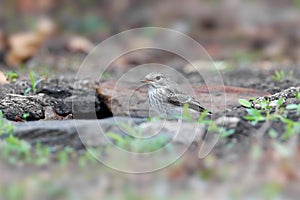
(77, 97)
(56, 92)
(6, 89)
(15, 106)
(74, 133)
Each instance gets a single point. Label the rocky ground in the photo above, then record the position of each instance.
(69, 132)
(85, 114)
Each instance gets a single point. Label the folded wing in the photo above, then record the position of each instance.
(181, 99)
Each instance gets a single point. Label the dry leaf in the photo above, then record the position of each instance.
(45, 27)
(3, 79)
(80, 44)
(22, 47)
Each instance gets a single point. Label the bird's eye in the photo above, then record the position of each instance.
(158, 78)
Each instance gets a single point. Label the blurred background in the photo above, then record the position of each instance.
(52, 37)
(58, 34)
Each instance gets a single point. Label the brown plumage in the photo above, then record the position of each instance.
(165, 96)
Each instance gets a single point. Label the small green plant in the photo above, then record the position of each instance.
(267, 113)
(133, 131)
(203, 118)
(138, 145)
(226, 133)
(134, 141)
(11, 76)
(245, 103)
(5, 127)
(254, 116)
(34, 83)
(297, 95)
(294, 107)
(14, 149)
(213, 127)
(291, 127)
(155, 118)
(186, 114)
(280, 102)
(88, 157)
(279, 75)
(64, 155)
(41, 154)
(25, 116)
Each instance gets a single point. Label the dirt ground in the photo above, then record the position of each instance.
(250, 43)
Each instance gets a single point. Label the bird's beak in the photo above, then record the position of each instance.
(145, 81)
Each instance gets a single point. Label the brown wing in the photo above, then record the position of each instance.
(181, 99)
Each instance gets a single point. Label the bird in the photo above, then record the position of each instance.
(166, 98)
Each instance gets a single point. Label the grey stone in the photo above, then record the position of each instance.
(92, 133)
(72, 133)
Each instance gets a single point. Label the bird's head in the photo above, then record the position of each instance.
(155, 79)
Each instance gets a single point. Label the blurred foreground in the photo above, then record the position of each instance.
(257, 43)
